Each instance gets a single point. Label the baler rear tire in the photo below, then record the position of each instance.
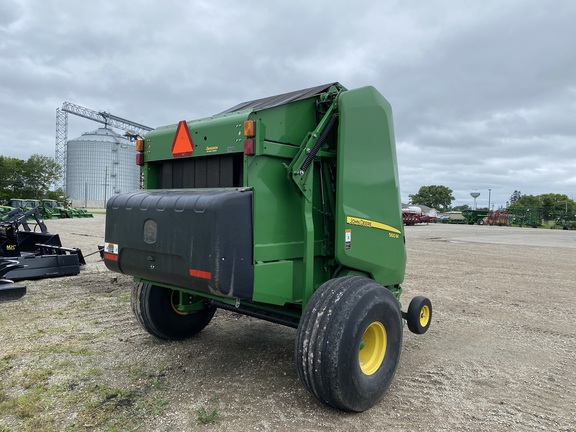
(344, 317)
(152, 305)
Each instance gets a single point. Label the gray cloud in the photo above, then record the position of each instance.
(484, 93)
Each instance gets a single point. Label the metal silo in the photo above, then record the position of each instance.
(100, 164)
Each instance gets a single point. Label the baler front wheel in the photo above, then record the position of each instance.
(155, 309)
(419, 315)
(348, 343)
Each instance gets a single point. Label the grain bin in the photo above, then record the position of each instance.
(99, 165)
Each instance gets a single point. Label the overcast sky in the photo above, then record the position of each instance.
(483, 92)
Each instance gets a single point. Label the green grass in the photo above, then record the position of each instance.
(6, 362)
(53, 377)
(34, 398)
(206, 417)
(97, 406)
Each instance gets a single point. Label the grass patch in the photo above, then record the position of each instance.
(60, 348)
(152, 406)
(124, 298)
(90, 373)
(205, 417)
(65, 373)
(35, 378)
(6, 362)
(25, 405)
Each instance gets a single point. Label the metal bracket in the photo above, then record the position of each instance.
(299, 169)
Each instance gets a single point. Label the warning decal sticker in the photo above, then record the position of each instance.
(348, 240)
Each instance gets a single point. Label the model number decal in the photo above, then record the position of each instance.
(372, 224)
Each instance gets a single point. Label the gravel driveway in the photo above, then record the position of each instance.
(500, 354)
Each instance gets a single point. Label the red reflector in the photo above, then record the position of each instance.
(139, 159)
(182, 144)
(249, 147)
(200, 274)
(111, 257)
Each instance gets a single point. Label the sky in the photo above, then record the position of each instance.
(483, 92)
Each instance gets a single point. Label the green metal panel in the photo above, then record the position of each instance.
(279, 227)
(280, 214)
(369, 229)
(306, 228)
(273, 282)
(287, 123)
(211, 136)
(277, 211)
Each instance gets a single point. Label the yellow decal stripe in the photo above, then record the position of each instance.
(370, 224)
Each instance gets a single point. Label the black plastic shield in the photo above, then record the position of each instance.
(200, 239)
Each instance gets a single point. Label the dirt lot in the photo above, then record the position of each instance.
(500, 354)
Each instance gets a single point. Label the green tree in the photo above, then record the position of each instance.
(461, 207)
(58, 195)
(550, 204)
(554, 204)
(438, 197)
(40, 173)
(11, 181)
(515, 196)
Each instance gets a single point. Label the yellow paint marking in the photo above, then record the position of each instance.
(371, 224)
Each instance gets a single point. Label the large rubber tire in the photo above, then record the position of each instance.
(419, 315)
(349, 342)
(155, 311)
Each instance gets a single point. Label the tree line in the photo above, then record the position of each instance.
(32, 178)
(550, 204)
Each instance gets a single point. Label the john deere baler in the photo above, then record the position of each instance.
(287, 209)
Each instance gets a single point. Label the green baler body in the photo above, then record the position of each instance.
(317, 213)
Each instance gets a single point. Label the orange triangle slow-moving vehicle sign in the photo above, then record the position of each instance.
(182, 145)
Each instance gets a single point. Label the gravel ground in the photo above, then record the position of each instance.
(500, 354)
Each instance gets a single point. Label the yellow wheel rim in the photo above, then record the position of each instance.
(372, 348)
(424, 316)
(174, 301)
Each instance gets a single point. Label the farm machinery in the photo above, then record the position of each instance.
(29, 254)
(412, 215)
(475, 216)
(286, 209)
(8, 289)
(49, 208)
(55, 209)
(24, 204)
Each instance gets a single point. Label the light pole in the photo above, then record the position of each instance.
(489, 193)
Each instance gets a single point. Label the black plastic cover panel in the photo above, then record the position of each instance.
(200, 239)
(283, 99)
